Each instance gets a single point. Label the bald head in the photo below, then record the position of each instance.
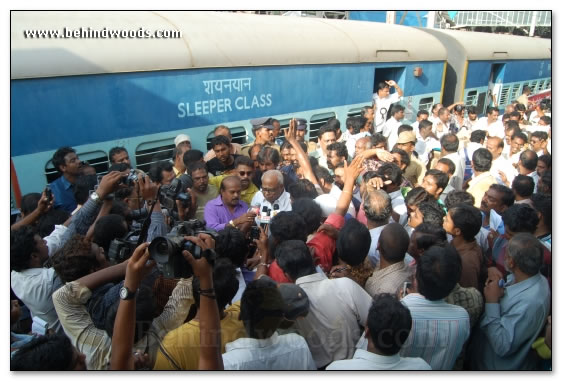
(229, 181)
(377, 206)
(393, 243)
(495, 146)
(362, 144)
(272, 185)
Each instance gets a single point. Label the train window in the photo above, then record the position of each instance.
(515, 92)
(356, 112)
(97, 159)
(541, 85)
(533, 86)
(504, 92)
(471, 98)
(425, 104)
(151, 152)
(238, 133)
(548, 84)
(316, 122)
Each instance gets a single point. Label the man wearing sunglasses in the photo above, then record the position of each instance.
(244, 169)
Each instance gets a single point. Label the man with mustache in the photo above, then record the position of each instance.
(228, 208)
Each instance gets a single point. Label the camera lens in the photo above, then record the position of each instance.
(159, 250)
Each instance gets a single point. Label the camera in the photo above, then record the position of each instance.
(122, 249)
(139, 214)
(130, 178)
(176, 190)
(166, 251)
(254, 234)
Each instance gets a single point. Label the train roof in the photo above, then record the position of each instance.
(209, 39)
(490, 46)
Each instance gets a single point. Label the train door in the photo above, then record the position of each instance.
(396, 74)
(495, 86)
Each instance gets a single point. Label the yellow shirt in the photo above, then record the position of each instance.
(245, 195)
(182, 344)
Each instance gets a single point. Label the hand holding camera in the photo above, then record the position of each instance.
(138, 266)
(109, 183)
(46, 201)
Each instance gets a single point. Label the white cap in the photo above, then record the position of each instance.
(181, 138)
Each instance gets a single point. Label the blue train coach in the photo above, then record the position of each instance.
(484, 67)
(96, 93)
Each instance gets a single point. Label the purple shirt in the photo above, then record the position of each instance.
(217, 215)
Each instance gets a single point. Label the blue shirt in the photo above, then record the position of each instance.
(508, 328)
(64, 197)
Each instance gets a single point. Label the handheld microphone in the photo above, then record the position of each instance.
(265, 217)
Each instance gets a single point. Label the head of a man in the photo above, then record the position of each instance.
(253, 153)
(272, 185)
(327, 136)
(325, 179)
(401, 158)
(391, 172)
(446, 166)
(263, 133)
(398, 112)
(178, 156)
(244, 168)
(276, 129)
(301, 130)
(78, 258)
(27, 249)
(425, 128)
(294, 259)
(528, 162)
(393, 243)
(52, 352)
(221, 146)
(434, 182)
(425, 236)
(492, 114)
(377, 207)
(482, 160)
(378, 141)
(495, 145)
(230, 191)
(444, 115)
(435, 108)
(517, 143)
(544, 164)
(200, 177)
(463, 220)
(449, 143)
(422, 115)
(268, 158)
(525, 254)
(472, 113)
(223, 130)
(353, 243)
(438, 271)
(367, 112)
(336, 155)
(519, 218)
(67, 162)
(538, 141)
(523, 186)
(426, 212)
(498, 198)
(261, 308)
(285, 152)
(382, 89)
(362, 145)
(406, 141)
(356, 125)
(455, 198)
(119, 155)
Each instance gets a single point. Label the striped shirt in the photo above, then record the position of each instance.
(95, 343)
(438, 332)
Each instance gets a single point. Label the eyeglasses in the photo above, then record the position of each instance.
(247, 173)
(269, 190)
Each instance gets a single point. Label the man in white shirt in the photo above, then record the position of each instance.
(262, 310)
(382, 100)
(338, 307)
(527, 166)
(422, 115)
(357, 128)
(426, 140)
(329, 199)
(391, 127)
(517, 143)
(31, 283)
(501, 168)
(538, 142)
(434, 116)
(392, 178)
(450, 146)
(491, 123)
(388, 326)
(441, 126)
(326, 137)
(272, 197)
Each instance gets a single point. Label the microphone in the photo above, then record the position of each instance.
(265, 217)
(276, 209)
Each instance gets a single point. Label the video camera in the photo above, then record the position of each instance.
(167, 250)
(122, 249)
(176, 190)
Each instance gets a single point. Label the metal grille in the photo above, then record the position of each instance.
(503, 18)
(97, 159)
(515, 92)
(504, 95)
(316, 122)
(471, 99)
(153, 152)
(425, 103)
(238, 133)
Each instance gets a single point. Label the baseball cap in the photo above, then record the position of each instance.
(181, 138)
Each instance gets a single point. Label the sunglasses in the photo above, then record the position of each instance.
(247, 173)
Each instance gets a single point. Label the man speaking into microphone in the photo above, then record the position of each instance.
(272, 196)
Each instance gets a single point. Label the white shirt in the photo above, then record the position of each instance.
(241, 286)
(365, 360)
(337, 309)
(285, 352)
(504, 165)
(534, 175)
(390, 131)
(457, 179)
(424, 146)
(53, 241)
(495, 129)
(398, 205)
(35, 287)
(373, 253)
(283, 202)
(382, 105)
(328, 202)
(471, 148)
(445, 127)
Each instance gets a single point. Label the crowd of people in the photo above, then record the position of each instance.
(382, 246)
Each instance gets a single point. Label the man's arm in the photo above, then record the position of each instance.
(397, 88)
(302, 157)
(43, 206)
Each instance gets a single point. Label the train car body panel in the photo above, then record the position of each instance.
(94, 94)
(481, 65)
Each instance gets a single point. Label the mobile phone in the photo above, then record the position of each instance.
(48, 193)
(406, 285)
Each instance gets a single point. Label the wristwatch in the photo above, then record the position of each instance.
(126, 294)
(232, 224)
(95, 197)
